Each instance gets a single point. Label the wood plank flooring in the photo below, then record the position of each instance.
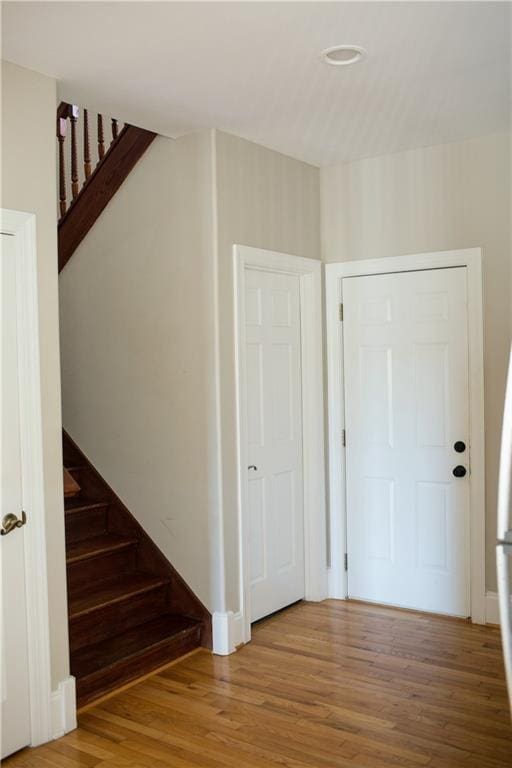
(325, 685)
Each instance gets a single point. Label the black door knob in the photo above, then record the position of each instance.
(459, 446)
(459, 471)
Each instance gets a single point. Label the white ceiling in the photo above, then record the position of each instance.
(436, 71)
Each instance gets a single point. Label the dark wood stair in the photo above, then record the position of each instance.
(125, 657)
(129, 610)
(97, 546)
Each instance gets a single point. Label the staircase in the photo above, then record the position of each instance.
(130, 612)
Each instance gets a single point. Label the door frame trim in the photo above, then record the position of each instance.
(309, 272)
(471, 258)
(23, 227)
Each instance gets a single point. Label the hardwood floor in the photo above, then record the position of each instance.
(326, 685)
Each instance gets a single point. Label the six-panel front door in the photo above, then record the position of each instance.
(407, 430)
(275, 515)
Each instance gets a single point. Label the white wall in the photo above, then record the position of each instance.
(437, 198)
(266, 200)
(29, 184)
(136, 304)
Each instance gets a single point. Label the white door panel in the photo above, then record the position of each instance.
(274, 436)
(406, 390)
(15, 714)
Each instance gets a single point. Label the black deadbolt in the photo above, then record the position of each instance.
(459, 446)
(459, 471)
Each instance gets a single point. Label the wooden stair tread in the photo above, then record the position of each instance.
(81, 504)
(111, 591)
(97, 545)
(71, 487)
(132, 643)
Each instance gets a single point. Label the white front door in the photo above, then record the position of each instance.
(275, 514)
(15, 712)
(407, 429)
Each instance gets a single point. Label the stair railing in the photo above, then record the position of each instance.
(68, 119)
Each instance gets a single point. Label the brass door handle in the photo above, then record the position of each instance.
(11, 521)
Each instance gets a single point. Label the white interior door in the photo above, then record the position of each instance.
(275, 515)
(15, 711)
(407, 405)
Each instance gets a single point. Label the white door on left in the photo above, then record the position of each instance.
(14, 680)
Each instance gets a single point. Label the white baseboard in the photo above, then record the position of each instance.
(228, 632)
(337, 592)
(336, 584)
(492, 609)
(63, 706)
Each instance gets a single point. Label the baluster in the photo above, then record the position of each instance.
(61, 136)
(101, 139)
(114, 129)
(73, 116)
(87, 150)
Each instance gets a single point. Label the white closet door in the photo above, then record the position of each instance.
(406, 384)
(274, 429)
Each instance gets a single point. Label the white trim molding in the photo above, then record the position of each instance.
(23, 227)
(63, 708)
(227, 632)
(492, 608)
(470, 258)
(309, 272)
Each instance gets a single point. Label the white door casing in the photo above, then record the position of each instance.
(15, 698)
(308, 272)
(406, 405)
(274, 441)
(335, 274)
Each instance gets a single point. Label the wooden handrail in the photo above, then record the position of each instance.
(70, 113)
(100, 188)
(101, 178)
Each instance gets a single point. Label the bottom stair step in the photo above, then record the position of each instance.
(102, 667)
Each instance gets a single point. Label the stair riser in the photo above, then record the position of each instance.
(101, 567)
(83, 525)
(113, 619)
(100, 683)
(70, 455)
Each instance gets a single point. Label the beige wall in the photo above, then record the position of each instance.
(29, 184)
(136, 306)
(141, 299)
(267, 200)
(439, 198)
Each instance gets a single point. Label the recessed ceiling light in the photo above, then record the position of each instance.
(343, 55)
